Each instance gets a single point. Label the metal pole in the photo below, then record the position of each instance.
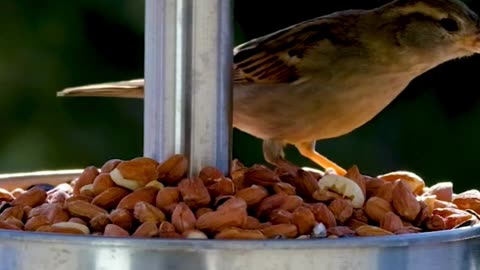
(188, 56)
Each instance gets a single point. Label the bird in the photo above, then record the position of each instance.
(326, 77)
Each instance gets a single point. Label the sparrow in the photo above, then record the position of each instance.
(325, 77)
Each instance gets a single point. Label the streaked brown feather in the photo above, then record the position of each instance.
(275, 58)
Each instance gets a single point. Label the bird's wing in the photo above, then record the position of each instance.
(124, 89)
(271, 59)
(276, 58)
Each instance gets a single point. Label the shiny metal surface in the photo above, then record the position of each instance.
(188, 56)
(210, 124)
(452, 250)
(165, 73)
(11, 181)
(448, 250)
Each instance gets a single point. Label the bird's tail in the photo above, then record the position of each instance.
(123, 89)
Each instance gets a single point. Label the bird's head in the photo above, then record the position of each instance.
(440, 29)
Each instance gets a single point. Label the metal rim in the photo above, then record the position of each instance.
(429, 238)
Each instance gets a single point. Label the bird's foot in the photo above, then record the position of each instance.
(308, 150)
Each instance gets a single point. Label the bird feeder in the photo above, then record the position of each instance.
(188, 55)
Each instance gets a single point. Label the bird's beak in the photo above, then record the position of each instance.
(471, 42)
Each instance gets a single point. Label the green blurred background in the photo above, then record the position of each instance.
(431, 129)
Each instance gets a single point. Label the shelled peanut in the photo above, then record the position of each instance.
(144, 198)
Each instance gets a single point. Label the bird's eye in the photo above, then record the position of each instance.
(449, 24)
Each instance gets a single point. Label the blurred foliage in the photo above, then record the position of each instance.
(45, 46)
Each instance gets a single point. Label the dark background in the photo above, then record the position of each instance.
(45, 46)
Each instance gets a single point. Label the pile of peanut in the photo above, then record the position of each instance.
(144, 198)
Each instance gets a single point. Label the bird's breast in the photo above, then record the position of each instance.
(319, 108)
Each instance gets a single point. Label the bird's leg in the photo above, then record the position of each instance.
(273, 151)
(307, 149)
(273, 154)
